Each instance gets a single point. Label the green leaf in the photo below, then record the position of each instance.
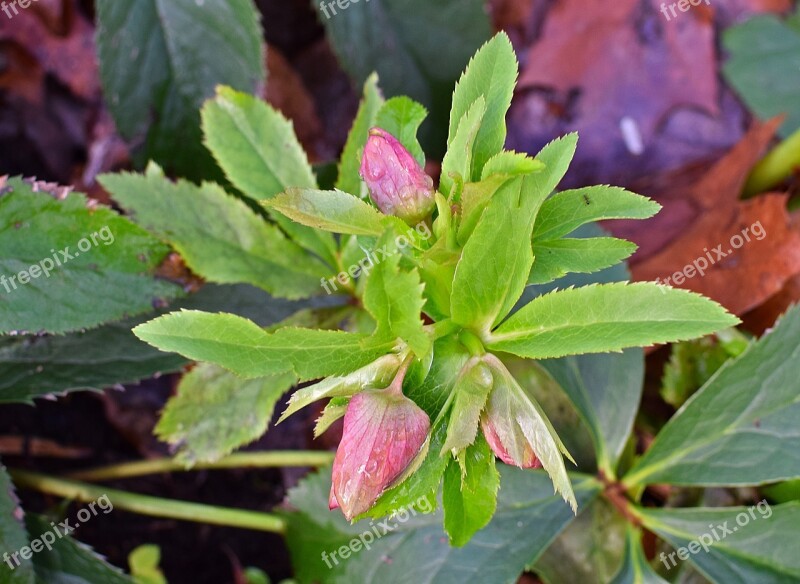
(418, 48)
(469, 496)
(491, 75)
(559, 257)
(258, 150)
(394, 299)
(471, 392)
(13, 535)
(402, 117)
(761, 51)
(217, 234)
(511, 164)
(215, 412)
(349, 179)
(255, 145)
(60, 250)
(608, 317)
(69, 561)
(93, 360)
(564, 212)
(497, 258)
(636, 569)
(143, 562)
(556, 157)
(693, 363)
(739, 429)
(458, 160)
(588, 551)
(528, 518)
(334, 211)
(474, 199)
(377, 374)
(246, 349)
(734, 545)
(159, 60)
(606, 390)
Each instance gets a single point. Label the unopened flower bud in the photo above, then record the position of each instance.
(383, 433)
(397, 183)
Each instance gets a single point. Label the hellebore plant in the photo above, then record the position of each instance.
(418, 367)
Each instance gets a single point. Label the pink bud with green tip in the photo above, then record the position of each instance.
(397, 183)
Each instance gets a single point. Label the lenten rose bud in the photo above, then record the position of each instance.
(396, 182)
(383, 433)
(527, 458)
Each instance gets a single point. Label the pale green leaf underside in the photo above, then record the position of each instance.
(215, 412)
(609, 317)
(333, 211)
(218, 235)
(458, 160)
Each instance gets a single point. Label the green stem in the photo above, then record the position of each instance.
(775, 167)
(151, 506)
(238, 460)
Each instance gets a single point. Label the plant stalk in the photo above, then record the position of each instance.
(151, 506)
(238, 460)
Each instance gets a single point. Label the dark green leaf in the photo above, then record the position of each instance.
(160, 59)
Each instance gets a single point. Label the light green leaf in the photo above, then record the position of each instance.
(402, 117)
(215, 412)
(491, 75)
(418, 47)
(13, 535)
(608, 317)
(218, 235)
(734, 545)
(255, 145)
(474, 199)
(469, 495)
(740, 428)
(528, 518)
(349, 179)
(59, 251)
(377, 374)
(636, 569)
(458, 160)
(143, 562)
(564, 212)
(70, 561)
(497, 258)
(159, 60)
(761, 51)
(258, 150)
(511, 164)
(556, 157)
(334, 410)
(559, 257)
(246, 349)
(334, 211)
(471, 392)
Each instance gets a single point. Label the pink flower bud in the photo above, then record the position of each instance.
(396, 182)
(527, 458)
(383, 433)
